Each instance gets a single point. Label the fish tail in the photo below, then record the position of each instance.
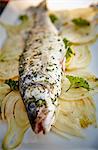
(42, 5)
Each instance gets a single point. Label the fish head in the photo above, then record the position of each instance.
(41, 115)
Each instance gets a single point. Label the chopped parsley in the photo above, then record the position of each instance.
(69, 52)
(53, 18)
(77, 82)
(81, 22)
(23, 18)
(67, 43)
(14, 85)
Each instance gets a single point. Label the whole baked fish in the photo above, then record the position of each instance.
(40, 70)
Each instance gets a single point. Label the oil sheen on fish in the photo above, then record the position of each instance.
(40, 71)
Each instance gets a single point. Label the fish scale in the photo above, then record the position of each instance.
(40, 70)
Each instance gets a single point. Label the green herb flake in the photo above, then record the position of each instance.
(69, 52)
(23, 18)
(77, 82)
(67, 43)
(53, 18)
(14, 85)
(81, 22)
(40, 103)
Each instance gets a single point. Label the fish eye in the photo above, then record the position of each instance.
(32, 110)
(32, 113)
(31, 106)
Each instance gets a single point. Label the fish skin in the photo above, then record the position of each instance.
(40, 71)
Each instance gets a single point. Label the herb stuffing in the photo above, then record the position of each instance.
(40, 103)
(53, 18)
(81, 22)
(14, 85)
(77, 82)
(23, 18)
(69, 52)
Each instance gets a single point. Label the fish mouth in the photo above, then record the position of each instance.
(39, 121)
(41, 118)
(44, 121)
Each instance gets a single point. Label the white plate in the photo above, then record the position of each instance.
(52, 141)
